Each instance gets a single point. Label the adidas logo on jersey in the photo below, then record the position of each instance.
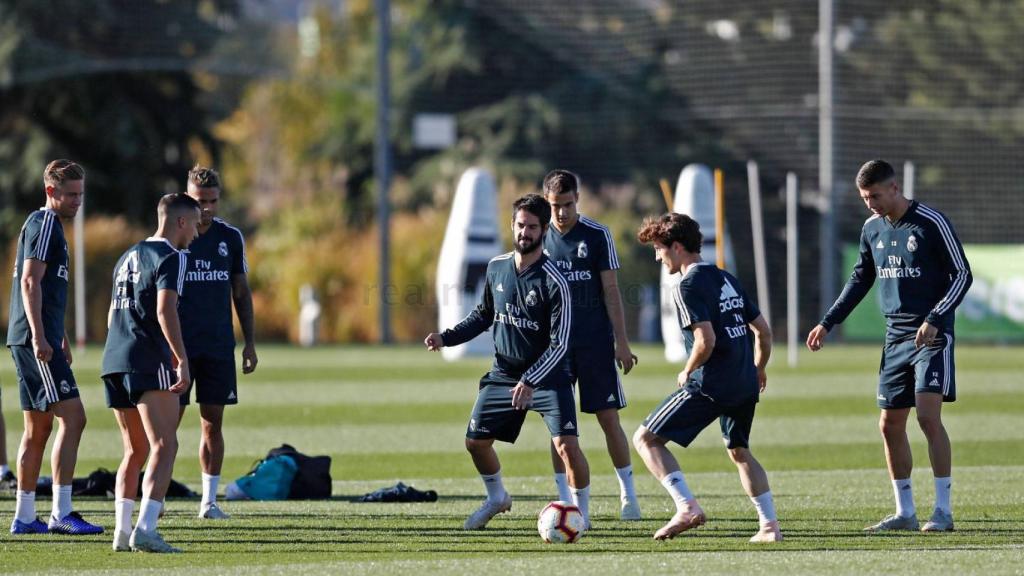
(500, 288)
(730, 299)
(880, 245)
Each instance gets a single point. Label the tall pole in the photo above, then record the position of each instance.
(826, 153)
(382, 162)
(719, 219)
(792, 272)
(764, 302)
(80, 279)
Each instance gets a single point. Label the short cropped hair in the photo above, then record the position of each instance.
(669, 228)
(561, 182)
(874, 172)
(203, 177)
(534, 204)
(176, 204)
(61, 171)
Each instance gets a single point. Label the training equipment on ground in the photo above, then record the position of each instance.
(561, 523)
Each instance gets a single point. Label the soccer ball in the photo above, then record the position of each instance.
(560, 523)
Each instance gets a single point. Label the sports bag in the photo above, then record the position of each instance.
(270, 479)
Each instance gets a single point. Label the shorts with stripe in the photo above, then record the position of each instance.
(688, 411)
(213, 378)
(906, 370)
(598, 381)
(43, 384)
(125, 389)
(494, 417)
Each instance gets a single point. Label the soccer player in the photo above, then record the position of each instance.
(923, 275)
(528, 306)
(145, 368)
(585, 253)
(723, 376)
(42, 356)
(216, 277)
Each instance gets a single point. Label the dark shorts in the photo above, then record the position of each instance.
(597, 378)
(214, 380)
(906, 371)
(494, 417)
(43, 384)
(687, 411)
(125, 389)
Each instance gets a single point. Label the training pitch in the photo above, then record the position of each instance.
(390, 414)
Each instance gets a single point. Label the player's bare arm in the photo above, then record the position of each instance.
(624, 356)
(816, 338)
(762, 349)
(242, 297)
(703, 344)
(32, 299)
(167, 315)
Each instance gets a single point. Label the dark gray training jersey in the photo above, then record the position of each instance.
(920, 266)
(530, 314)
(582, 254)
(135, 341)
(41, 238)
(214, 258)
(707, 294)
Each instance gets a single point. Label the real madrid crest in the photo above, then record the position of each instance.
(581, 250)
(65, 388)
(531, 298)
(222, 249)
(911, 243)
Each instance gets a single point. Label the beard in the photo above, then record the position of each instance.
(527, 246)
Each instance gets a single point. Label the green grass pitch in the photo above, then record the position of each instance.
(388, 414)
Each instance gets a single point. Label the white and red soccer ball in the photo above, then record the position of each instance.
(560, 523)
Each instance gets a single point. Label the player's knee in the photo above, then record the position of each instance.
(739, 456)
(136, 453)
(37, 434)
(608, 419)
(890, 427)
(165, 448)
(642, 439)
(929, 423)
(476, 445)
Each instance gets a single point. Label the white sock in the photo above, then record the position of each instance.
(626, 489)
(904, 498)
(4, 469)
(675, 483)
(562, 483)
(149, 513)
(25, 508)
(581, 498)
(61, 501)
(942, 489)
(765, 507)
(495, 489)
(210, 488)
(123, 508)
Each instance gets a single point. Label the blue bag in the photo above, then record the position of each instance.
(271, 479)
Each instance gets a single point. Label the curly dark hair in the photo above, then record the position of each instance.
(669, 228)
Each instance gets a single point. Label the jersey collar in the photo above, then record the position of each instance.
(692, 267)
(164, 240)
